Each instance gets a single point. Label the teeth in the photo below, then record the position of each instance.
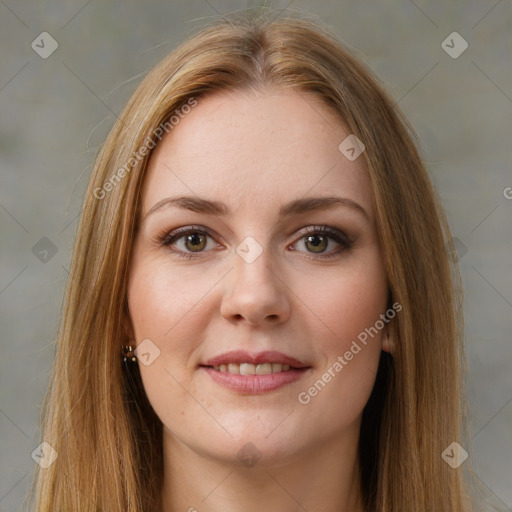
(276, 367)
(252, 369)
(263, 369)
(247, 369)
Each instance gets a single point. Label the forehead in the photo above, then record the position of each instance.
(256, 150)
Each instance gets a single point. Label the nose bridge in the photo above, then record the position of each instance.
(253, 263)
(254, 291)
(253, 267)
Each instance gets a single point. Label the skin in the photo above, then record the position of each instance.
(256, 151)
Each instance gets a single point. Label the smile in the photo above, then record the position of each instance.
(248, 373)
(252, 369)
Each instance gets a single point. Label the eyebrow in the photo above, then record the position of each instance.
(295, 207)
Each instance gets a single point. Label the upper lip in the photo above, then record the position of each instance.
(267, 356)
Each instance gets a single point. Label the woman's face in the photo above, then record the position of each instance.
(240, 275)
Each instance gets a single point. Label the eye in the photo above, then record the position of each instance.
(190, 242)
(187, 241)
(316, 240)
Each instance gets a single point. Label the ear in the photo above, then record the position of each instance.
(127, 324)
(388, 344)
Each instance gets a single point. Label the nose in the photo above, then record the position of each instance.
(256, 293)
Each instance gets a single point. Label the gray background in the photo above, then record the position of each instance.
(55, 112)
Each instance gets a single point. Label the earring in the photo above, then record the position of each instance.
(128, 353)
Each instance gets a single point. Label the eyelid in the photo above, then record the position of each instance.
(167, 238)
(339, 237)
(327, 230)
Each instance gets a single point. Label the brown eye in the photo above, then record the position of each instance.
(195, 242)
(316, 243)
(187, 242)
(323, 241)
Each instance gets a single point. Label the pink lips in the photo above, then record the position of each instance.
(268, 356)
(254, 384)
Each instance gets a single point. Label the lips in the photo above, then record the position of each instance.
(267, 357)
(248, 373)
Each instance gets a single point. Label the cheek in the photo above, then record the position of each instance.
(349, 305)
(162, 308)
(162, 301)
(167, 307)
(156, 312)
(346, 302)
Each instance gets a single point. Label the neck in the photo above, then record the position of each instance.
(324, 478)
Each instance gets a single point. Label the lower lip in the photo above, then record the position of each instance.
(254, 384)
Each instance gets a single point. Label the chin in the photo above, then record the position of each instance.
(255, 448)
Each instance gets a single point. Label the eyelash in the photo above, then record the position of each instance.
(167, 239)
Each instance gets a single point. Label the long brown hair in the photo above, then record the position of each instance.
(96, 414)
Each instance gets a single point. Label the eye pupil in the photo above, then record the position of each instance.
(317, 241)
(195, 240)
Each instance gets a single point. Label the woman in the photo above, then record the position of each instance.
(261, 314)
